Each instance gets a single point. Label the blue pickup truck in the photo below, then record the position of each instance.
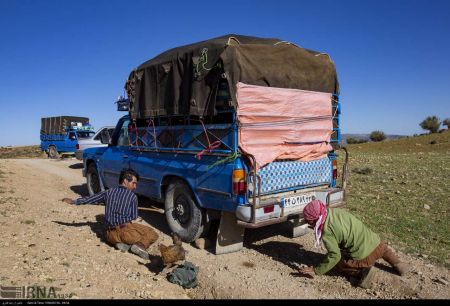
(217, 142)
(60, 135)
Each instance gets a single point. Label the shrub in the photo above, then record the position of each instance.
(377, 136)
(431, 123)
(447, 123)
(352, 140)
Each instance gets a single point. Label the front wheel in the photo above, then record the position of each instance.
(93, 180)
(183, 215)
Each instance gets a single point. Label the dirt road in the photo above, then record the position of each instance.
(46, 242)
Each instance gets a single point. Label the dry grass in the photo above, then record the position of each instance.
(21, 152)
(406, 198)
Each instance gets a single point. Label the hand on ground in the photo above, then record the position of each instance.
(69, 201)
(307, 271)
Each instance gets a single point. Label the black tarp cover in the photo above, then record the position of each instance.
(184, 80)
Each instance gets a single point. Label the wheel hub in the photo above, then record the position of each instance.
(182, 209)
(95, 184)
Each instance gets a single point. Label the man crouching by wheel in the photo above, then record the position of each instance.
(121, 214)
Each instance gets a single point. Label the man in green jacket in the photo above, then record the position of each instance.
(351, 245)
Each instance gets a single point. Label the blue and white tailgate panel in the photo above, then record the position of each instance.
(285, 187)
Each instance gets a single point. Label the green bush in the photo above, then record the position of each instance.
(377, 136)
(431, 123)
(352, 140)
(447, 123)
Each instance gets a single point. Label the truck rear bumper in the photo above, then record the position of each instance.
(274, 210)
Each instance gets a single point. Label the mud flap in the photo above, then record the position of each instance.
(298, 228)
(230, 236)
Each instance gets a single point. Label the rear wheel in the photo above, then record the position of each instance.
(93, 180)
(182, 213)
(52, 152)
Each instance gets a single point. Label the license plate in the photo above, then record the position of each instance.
(297, 200)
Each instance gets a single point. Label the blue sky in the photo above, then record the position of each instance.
(61, 57)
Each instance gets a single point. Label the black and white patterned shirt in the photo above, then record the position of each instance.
(121, 205)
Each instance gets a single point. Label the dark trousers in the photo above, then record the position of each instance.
(354, 267)
(132, 233)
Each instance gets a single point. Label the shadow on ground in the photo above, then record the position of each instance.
(81, 190)
(97, 227)
(153, 213)
(289, 253)
(385, 267)
(254, 235)
(76, 166)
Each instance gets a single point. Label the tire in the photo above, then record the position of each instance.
(52, 152)
(183, 215)
(93, 180)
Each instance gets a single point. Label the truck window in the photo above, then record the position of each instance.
(84, 134)
(104, 132)
(99, 135)
(123, 139)
(72, 136)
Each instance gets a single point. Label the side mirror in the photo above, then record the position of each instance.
(105, 138)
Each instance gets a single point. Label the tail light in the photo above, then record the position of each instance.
(78, 146)
(334, 169)
(239, 183)
(268, 209)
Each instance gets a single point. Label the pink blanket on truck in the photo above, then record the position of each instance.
(283, 123)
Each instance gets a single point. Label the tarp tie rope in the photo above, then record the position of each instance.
(132, 130)
(211, 146)
(137, 133)
(230, 158)
(154, 132)
(305, 142)
(286, 122)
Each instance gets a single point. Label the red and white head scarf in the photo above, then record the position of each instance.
(316, 211)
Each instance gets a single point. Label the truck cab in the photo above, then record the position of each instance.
(92, 141)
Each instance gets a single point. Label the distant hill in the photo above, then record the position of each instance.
(367, 137)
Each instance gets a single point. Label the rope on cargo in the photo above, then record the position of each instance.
(232, 38)
(211, 146)
(132, 130)
(335, 107)
(305, 142)
(154, 132)
(230, 158)
(286, 42)
(329, 57)
(135, 130)
(286, 122)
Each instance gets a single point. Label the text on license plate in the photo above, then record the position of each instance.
(297, 200)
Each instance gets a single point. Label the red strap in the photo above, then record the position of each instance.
(212, 146)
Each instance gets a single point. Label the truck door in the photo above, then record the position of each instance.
(115, 157)
(150, 166)
(70, 142)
